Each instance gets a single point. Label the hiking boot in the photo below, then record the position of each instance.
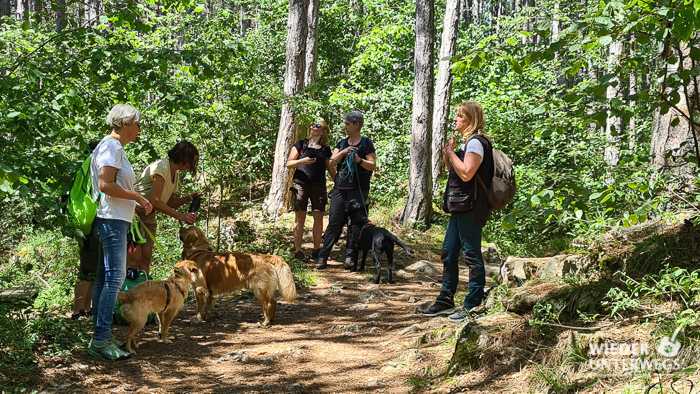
(314, 253)
(107, 349)
(322, 263)
(348, 263)
(299, 255)
(440, 307)
(459, 316)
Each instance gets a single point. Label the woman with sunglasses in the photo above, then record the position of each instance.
(311, 159)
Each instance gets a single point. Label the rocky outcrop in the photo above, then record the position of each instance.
(518, 270)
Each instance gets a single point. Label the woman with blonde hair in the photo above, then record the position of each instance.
(310, 159)
(465, 199)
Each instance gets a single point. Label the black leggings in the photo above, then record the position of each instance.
(338, 218)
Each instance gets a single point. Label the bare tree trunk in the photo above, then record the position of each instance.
(418, 207)
(613, 125)
(293, 83)
(311, 43)
(5, 8)
(680, 140)
(632, 142)
(21, 12)
(245, 20)
(443, 88)
(60, 15)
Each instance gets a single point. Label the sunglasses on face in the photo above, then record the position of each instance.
(317, 125)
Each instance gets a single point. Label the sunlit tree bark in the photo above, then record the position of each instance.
(293, 83)
(418, 207)
(443, 88)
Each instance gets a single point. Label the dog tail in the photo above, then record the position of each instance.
(285, 281)
(125, 297)
(401, 244)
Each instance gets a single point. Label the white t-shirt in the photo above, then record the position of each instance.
(110, 153)
(474, 146)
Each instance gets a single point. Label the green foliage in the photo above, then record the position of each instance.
(30, 339)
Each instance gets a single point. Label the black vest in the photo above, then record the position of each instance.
(455, 184)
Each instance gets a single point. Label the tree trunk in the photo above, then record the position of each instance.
(60, 15)
(418, 207)
(245, 20)
(672, 146)
(441, 109)
(5, 8)
(613, 125)
(293, 83)
(631, 131)
(311, 43)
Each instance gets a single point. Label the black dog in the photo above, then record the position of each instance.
(363, 234)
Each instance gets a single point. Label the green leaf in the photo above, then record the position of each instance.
(578, 213)
(13, 114)
(605, 40)
(535, 200)
(594, 196)
(539, 110)
(516, 67)
(508, 222)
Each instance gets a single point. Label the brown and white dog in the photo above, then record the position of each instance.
(221, 273)
(164, 297)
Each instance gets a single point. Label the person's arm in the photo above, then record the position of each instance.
(107, 185)
(369, 163)
(330, 166)
(161, 206)
(465, 169)
(293, 160)
(338, 155)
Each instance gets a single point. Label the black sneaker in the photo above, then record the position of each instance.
(314, 253)
(299, 255)
(322, 263)
(348, 263)
(439, 308)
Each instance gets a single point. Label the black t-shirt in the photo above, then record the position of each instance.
(315, 173)
(342, 181)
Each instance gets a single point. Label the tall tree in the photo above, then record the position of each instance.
(311, 43)
(418, 207)
(671, 131)
(613, 124)
(5, 8)
(297, 31)
(443, 87)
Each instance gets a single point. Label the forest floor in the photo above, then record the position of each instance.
(345, 334)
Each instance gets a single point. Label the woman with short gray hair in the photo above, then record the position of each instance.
(113, 178)
(355, 152)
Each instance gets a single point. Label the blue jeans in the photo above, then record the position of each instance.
(462, 235)
(111, 272)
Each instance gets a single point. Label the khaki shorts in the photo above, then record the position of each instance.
(149, 221)
(301, 194)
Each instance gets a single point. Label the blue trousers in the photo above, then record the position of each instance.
(111, 272)
(462, 236)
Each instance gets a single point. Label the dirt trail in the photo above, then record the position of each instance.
(345, 334)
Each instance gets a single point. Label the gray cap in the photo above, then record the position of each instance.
(355, 117)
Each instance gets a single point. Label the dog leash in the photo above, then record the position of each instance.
(152, 237)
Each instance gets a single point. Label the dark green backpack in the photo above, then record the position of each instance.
(128, 284)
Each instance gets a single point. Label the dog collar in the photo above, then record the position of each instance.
(167, 298)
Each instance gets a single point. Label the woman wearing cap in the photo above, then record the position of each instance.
(159, 184)
(348, 185)
(311, 159)
(113, 176)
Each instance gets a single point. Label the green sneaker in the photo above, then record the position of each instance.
(107, 349)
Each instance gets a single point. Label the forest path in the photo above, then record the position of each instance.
(345, 334)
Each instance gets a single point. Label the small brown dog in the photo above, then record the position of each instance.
(221, 273)
(164, 297)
